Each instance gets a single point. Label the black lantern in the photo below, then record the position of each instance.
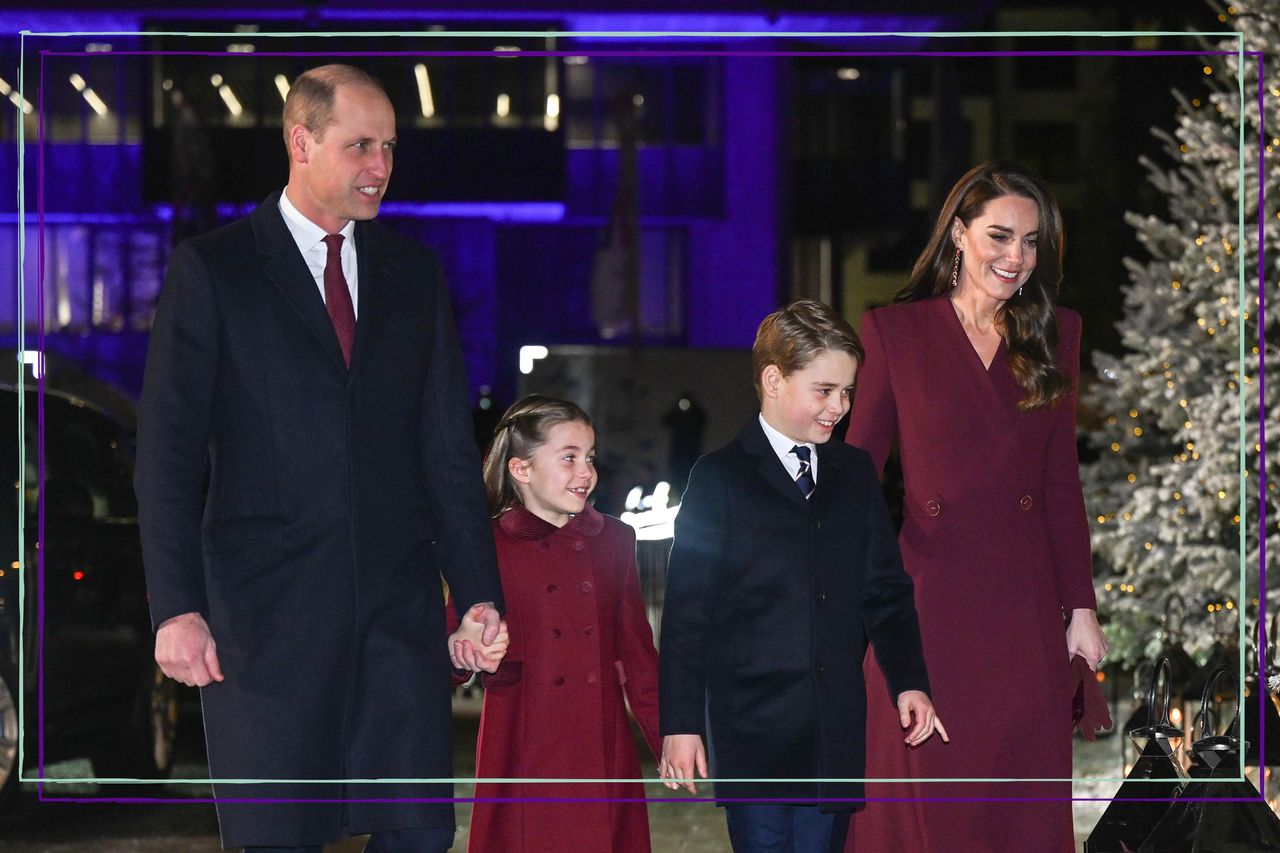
(1216, 811)
(1156, 775)
(1260, 709)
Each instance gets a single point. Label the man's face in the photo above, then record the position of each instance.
(343, 174)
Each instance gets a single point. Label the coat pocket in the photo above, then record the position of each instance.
(508, 675)
(234, 534)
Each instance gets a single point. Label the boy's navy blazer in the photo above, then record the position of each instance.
(770, 602)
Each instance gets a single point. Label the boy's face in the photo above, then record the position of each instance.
(806, 405)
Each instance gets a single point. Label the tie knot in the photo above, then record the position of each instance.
(334, 242)
(802, 452)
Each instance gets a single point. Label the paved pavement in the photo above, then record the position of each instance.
(36, 827)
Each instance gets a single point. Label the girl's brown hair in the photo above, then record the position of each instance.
(522, 430)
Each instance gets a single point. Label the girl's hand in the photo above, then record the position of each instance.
(1085, 637)
(467, 649)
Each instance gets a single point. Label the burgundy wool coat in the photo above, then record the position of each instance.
(580, 640)
(995, 537)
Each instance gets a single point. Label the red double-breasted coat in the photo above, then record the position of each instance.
(995, 537)
(580, 639)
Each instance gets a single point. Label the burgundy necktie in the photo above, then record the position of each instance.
(337, 297)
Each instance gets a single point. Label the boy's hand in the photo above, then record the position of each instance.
(467, 649)
(915, 705)
(681, 756)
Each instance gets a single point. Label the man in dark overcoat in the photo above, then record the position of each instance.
(306, 359)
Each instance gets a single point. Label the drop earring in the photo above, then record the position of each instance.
(1019, 290)
(955, 270)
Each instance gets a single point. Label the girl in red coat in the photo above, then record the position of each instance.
(579, 639)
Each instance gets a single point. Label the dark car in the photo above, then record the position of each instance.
(88, 650)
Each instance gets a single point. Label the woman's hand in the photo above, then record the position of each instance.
(1085, 637)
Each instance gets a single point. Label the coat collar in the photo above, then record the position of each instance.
(769, 466)
(519, 523)
(285, 267)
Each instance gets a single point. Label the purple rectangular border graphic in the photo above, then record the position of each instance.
(40, 382)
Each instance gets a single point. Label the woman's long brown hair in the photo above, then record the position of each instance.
(1028, 320)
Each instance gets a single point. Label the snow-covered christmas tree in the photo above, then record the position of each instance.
(1166, 498)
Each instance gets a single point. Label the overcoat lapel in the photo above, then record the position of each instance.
(768, 465)
(283, 264)
(972, 397)
(829, 471)
(376, 275)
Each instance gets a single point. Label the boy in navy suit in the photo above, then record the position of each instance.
(784, 565)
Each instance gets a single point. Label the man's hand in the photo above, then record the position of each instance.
(915, 705)
(186, 651)
(481, 640)
(681, 756)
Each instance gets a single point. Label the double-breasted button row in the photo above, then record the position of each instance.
(592, 678)
(933, 507)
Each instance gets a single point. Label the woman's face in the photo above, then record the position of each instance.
(999, 247)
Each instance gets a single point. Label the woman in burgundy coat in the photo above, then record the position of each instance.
(973, 372)
(579, 639)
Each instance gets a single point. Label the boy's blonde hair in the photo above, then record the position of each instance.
(522, 430)
(793, 337)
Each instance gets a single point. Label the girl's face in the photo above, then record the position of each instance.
(999, 247)
(555, 481)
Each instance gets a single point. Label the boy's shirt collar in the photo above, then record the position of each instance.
(782, 447)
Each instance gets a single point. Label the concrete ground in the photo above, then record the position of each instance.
(677, 827)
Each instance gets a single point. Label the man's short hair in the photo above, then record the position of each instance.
(310, 99)
(793, 337)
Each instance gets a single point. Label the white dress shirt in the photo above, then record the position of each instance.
(782, 446)
(310, 240)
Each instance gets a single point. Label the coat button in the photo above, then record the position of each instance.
(821, 670)
(558, 680)
(552, 587)
(590, 632)
(544, 545)
(579, 545)
(591, 678)
(586, 586)
(822, 596)
(933, 508)
(555, 633)
(1025, 502)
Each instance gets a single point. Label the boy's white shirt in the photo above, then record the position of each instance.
(782, 446)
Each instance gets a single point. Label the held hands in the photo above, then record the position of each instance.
(1085, 637)
(186, 652)
(681, 756)
(915, 705)
(481, 640)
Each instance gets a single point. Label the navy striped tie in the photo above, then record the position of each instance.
(805, 478)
